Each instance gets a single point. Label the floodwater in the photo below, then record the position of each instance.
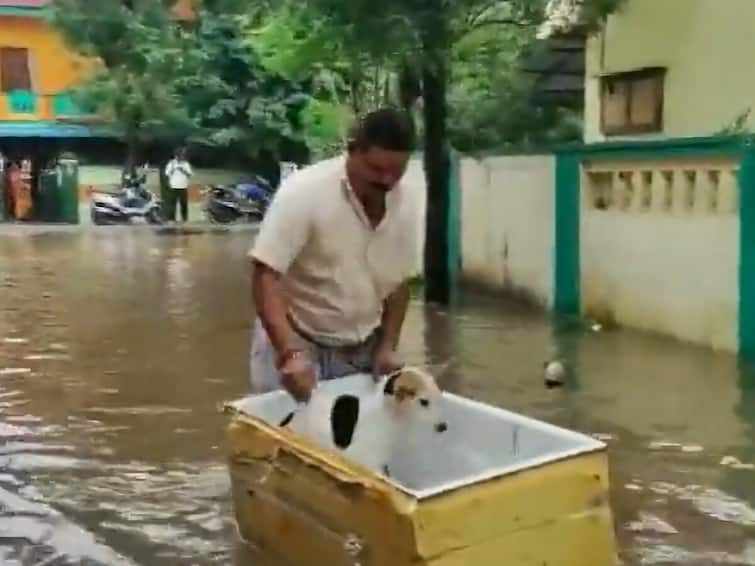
(117, 347)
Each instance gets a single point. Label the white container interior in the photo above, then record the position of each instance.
(482, 442)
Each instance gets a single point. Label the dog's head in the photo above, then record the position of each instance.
(414, 394)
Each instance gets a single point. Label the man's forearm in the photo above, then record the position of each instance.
(394, 313)
(271, 307)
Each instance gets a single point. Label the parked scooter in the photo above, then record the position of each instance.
(225, 204)
(132, 203)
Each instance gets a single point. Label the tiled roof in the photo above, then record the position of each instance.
(558, 66)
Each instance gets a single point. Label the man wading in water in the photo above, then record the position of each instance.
(332, 263)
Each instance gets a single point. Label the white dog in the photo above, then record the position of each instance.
(369, 428)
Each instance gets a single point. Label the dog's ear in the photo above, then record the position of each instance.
(390, 385)
(343, 420)
(399, 389)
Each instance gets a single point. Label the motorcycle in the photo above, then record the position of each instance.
(225, 204)
(132, 202)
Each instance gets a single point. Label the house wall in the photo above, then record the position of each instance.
(654, 238)
(507, 238)
(53, 67)
(663, 256)
(703, 46)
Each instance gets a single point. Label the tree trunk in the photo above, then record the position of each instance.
(409, 87)
(437, 170)
(132, 148)
(355, 88)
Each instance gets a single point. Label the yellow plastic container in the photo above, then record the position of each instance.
(498, 489)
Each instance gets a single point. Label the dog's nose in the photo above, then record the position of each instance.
(441, 427)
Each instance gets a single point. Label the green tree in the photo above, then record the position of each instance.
(233, 99)
(165, 80)
(343, 79)
(131, 85)
(491, 100)
(419, 36)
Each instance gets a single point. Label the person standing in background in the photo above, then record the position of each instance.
(19, 190)
(178, 172)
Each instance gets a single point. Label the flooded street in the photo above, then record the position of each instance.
(117, 348)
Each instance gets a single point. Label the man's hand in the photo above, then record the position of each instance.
(298, 377)
(384, 361)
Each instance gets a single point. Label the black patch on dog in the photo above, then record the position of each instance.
(287, 419)
(390, 385)
(343, 420)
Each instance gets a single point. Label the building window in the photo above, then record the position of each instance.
(632, 103)
(14, 69)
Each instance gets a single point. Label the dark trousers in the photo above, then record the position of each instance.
(176, 196)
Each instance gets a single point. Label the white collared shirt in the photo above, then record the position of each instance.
(337, 269)
(179, 173)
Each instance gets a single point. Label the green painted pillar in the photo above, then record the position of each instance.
(747, 252)
(566, 293)
(68, 190)
(47, 202)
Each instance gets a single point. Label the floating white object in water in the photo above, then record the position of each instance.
(651, 523)
(14, 371)
(662, 488)
(108, 391)
(633, 487)
(554, 374)
(44, 357)
(11, 340)
(736, 463)
(688, 448)
(597, 327)
(603, 437)
(661, 444)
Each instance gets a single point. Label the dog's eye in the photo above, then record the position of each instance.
(424, 402)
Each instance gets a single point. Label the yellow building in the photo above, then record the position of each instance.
(670, 68)
(39, 119)
(37, 73)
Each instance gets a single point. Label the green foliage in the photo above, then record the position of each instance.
(490, 103)
(344, 80)
(419, 36)
(480, 41)
(299, 44)
(161, 80)
(594, 12)
(260, 77)
(232, 97)
(114, 33)
(131, 85)
(325, 124)
(738, 126)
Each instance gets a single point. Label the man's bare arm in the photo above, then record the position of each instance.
(270, 303)
(394, 313)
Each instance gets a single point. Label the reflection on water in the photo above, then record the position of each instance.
(116, 348)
